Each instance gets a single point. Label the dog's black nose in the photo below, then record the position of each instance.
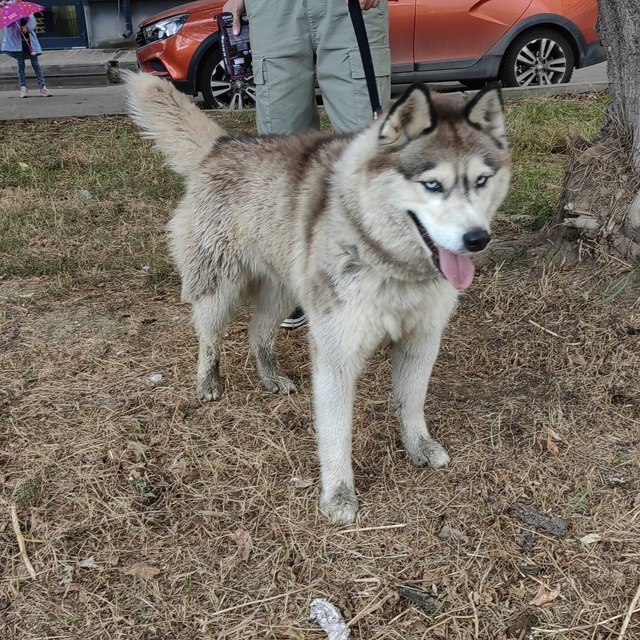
(476, 240)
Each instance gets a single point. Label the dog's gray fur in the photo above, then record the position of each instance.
(347, 226)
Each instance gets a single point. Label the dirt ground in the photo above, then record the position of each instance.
(146, 515)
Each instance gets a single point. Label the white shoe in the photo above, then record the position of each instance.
(24, 92)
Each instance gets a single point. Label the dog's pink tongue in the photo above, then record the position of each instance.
(458, 270)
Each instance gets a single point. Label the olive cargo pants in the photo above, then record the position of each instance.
(293, 41)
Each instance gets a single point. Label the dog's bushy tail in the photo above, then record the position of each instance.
(177, 126)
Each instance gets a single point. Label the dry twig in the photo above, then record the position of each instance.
(630, 612)
(23, 549)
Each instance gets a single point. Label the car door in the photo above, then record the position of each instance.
(459, 32)
(402, 21)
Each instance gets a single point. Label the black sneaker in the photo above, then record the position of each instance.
(296, 320)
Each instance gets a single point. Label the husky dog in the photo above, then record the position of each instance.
(371, 233)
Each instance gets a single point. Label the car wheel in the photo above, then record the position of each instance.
(219, 91)
(537, 57)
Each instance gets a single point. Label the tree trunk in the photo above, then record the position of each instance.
(601, 192)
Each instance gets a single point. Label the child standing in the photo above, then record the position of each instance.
(20, 42)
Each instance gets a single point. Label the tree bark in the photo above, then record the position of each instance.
(619, 30)
(600, 200)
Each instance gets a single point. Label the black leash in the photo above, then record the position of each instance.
(365, 52)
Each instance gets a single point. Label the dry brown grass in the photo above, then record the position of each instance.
(149, 516)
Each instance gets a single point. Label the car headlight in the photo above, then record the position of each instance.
(164, 28)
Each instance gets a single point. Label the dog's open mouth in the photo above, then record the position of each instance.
(457, 269)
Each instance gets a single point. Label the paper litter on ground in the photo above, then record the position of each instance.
(329, 618)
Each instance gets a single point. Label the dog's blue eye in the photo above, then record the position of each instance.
(432, 185)
(482, 181)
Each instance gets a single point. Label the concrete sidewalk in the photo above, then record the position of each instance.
(71, 68)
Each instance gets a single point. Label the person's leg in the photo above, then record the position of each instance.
(283, 66)
(35, 63)
(19, 58)
(339, 64)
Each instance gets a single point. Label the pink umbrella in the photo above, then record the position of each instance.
(13, 11)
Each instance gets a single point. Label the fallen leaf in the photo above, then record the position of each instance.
(521, 625)
(554, 435)
(243, 540)
(526, 513)
(141, 570)
(137, 448)
(449, 533)
(89, 563)
(545, 595)
(84, 596)
(301, 483)
(591, 538)
(552, 447)
(424, 600)
(66, 576)
(23, 165)
(178, 466)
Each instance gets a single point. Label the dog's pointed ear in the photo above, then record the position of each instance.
(411, 116)
(485, 112)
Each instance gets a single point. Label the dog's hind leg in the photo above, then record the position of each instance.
(271, 305)
(212, 312)
(412, 361)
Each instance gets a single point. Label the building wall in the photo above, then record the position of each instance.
(106, 23)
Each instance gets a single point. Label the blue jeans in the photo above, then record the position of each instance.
(18, 56)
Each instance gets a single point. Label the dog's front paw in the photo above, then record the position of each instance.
(341, 506)
(209, 388)
(281, 384)
(428, 453)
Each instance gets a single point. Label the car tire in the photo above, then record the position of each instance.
(537, 57)
(219, 91)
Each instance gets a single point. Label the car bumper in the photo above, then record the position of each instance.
(162, 58)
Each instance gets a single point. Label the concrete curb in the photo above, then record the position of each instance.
(571, 88)
(73, 68)
(558, 89)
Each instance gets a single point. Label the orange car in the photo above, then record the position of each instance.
(520, 42)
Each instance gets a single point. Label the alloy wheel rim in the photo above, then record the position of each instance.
(232, 94)
(540, 62)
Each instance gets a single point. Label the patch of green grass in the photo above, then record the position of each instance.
(542, 133)
(615, 288)
(82, 198)
(552, 124)
(29, 492)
